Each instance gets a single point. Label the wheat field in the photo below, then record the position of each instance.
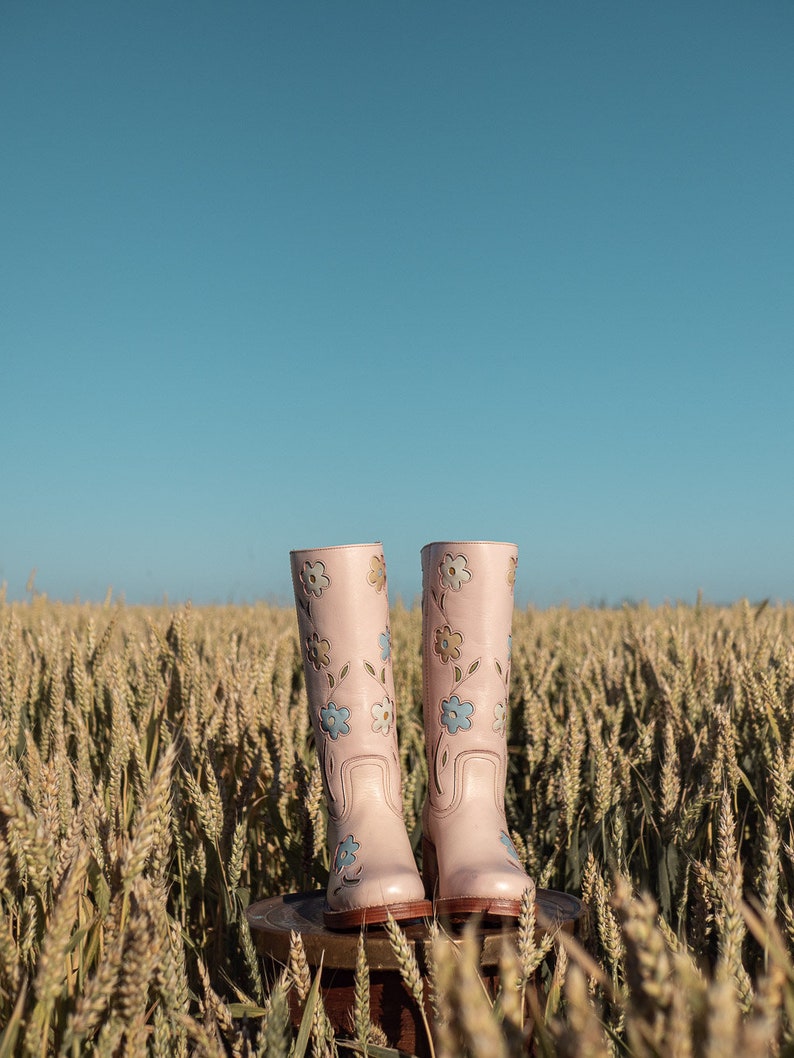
(157, 774)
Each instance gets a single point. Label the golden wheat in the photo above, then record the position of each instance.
(157, 773)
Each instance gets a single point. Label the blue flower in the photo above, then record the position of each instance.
(508, 844)
(333, 721)
(345, 855)
(385, 645)
(455, 714)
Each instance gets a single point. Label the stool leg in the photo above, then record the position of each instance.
(343, 618)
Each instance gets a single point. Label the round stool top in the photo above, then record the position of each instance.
(272, 920)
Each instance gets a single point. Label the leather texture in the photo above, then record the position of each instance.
(467, 608)
(343, 618)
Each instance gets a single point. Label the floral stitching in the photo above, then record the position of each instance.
(511, 571)
(318, 651)
(455, 714)
(384, 639)
(333, 720)
(383, 715)
(447, 644)
(345, 855)
(500, 717)
(377, 572)
(454, 571)
(314, 579)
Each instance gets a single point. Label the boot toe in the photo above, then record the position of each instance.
(488, 882)
(397, 892)
(399, 886)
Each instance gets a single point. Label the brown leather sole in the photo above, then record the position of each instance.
(371, 916)
(460, 907)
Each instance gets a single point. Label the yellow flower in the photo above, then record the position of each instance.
(377, 573)
(511, 572)
(447, 644)
(318, 651)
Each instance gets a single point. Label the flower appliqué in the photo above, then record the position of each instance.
(511, 571)
(454, 571)
(345, 855)
(383, 715)
(384, 641)
(333, 720)
(447, 644)
(455, 714)
(314, 579)
(318, 651)
(508, 844)
(377, 572)
(500, 717)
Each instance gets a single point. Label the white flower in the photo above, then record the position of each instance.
(314, 579)
(383, 715)
(454, 571)
(500, 715)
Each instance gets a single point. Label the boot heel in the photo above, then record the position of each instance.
(429, 868)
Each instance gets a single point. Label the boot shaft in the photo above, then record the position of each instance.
(343, 620)
(467, 610)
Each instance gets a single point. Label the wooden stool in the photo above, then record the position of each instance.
(271, 921)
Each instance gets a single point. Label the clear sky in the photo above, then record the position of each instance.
(279, 275)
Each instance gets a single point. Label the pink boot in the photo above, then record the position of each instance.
(343, 619)
(470, 863)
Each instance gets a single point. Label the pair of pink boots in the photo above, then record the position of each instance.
(469, 862)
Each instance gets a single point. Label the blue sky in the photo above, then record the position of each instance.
(284, 275)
